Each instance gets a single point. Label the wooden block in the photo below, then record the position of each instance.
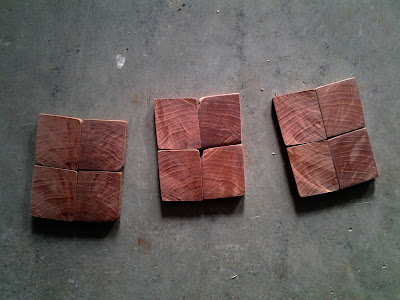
(53, 193)
(57, 141)
(341, 107)
(177, 123)
(220, 120)
(223, 172)
(299, 117)
(313, 168)
(353, 158)
(98, 196)
(180, 175)
(103, 145)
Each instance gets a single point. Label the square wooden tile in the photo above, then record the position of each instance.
(341, 107)
(299, 117)
(57, 141)
(220, 120)
(53, 193)
(223, 172)
(103, 145)
(180, 175)
(98, 196)
(353, 158)
(313, 168)
(177, 123)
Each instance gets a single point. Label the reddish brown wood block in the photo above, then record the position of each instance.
(98, 196)
(57, 141)
(341, 107)
(299, 117)
(53, 193)
(313, 168)
(180, 175)
(353, 158)
(103, 145)
(220, 120)
(223, 172)
(177, 123)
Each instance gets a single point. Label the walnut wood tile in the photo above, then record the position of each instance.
(57, 141)
(220, 120)
(177, 123)
(180, 175)
(299, 117)
(53, 193)
(313, 168)
(353, 158)
(341, 107)
(223, 172)
(98, 196)
(103, 145)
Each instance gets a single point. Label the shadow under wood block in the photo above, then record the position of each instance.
(223, 172)
(341, 107)
(53, 193)
(98, 196)
(103, 145)
(180, 175)
(313, 168)
(220, 120)
(353, 158)
(177, 123)
(57, 141)
(299, 117)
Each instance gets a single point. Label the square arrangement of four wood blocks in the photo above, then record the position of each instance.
(328, 144)
(213, 125)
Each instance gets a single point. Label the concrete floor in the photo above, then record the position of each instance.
(58, 57)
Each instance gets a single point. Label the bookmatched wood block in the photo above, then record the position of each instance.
(353, 158)
(98, 196)
(103, 145)
(177, 123)
(223, 172)
(180, 175)
(57, 141)
(220, 120)
(341, 107)
(313, 168)
(53, 193)
(299, 117)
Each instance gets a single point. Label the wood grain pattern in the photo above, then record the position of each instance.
(57, 141)
(53, 193)
(103, 145)
(180, 175)
(353, 158)
(98, 196)
(299, 117)
(220, 120)
(341, 107)
(177, 123)
(223, 172)
(313, 168)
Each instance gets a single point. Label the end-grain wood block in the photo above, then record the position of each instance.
(180, 175)
(177, 123)
(341, 107)
(353, 158)
(299, 117)
(220, 120)
(223, 172)
(313, 168)
(103, 145)
(53, 193)
(57, 141)
(98, 196)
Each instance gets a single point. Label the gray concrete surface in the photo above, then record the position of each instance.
(58, 57)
